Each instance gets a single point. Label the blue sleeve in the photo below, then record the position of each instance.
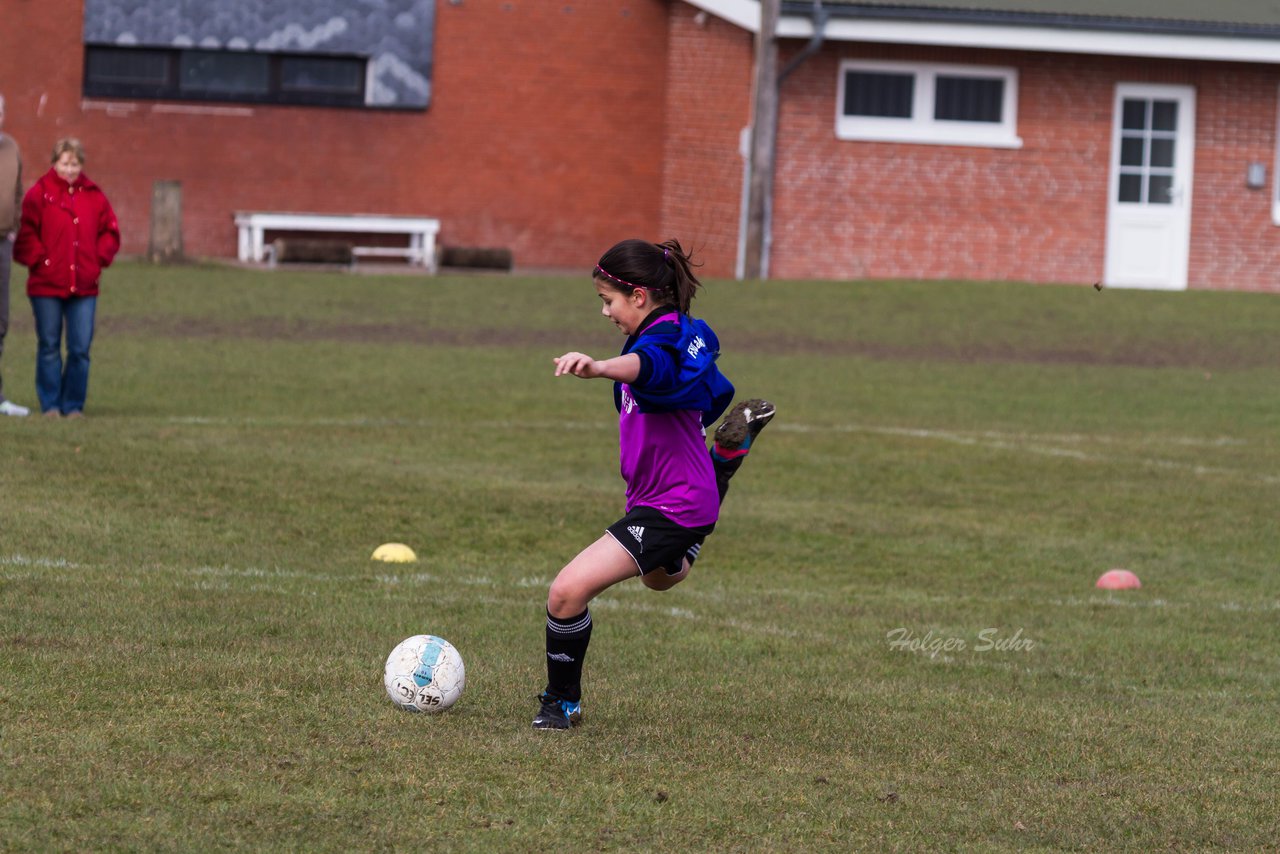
(646, 369)
(721, 396)
(659, 369)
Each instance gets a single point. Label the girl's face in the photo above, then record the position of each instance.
(68, 166)
(625, 310)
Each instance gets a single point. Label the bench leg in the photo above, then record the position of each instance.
(426, 244)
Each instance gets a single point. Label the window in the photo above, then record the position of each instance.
(934, 104)
(321, 74)
(1148, 134)
(875, 93)
(128, 69)
(219, 74)
(224, 75)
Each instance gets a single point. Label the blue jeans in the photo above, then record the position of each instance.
(6, 262)
(63, 388)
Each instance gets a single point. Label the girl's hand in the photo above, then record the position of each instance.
(580, 365)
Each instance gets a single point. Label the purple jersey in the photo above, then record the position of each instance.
(666, 464)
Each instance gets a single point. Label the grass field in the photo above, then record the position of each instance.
(891, 642)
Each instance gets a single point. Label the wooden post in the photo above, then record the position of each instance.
(764, 134)
(166, 223)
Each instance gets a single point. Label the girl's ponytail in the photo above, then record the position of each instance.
(686, 283)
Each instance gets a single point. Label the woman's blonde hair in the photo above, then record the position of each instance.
(66, 144)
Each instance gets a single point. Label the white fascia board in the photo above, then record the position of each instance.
(1045, 39)
(746, 14)
(742, 13)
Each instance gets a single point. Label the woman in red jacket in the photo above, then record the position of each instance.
(67, 237)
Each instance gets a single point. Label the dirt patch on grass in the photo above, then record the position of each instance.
(1205, 355)
(1185, 354)
(293, 329)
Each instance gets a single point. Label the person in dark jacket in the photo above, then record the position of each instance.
(10, 205)
(67, 236)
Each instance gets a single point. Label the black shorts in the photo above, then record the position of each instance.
(654, 541)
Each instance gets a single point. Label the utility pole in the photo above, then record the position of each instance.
(764, 134)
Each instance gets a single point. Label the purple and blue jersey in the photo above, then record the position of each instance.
(662, 417)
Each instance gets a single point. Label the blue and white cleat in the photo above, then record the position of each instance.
(557, 714)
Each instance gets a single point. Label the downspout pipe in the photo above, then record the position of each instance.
(820, 15)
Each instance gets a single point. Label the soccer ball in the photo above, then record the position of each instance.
(424, 673)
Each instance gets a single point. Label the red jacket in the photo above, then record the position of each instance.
(68, 235)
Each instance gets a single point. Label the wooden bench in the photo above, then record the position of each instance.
(422, 231)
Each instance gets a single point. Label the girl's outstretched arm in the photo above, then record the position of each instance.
(622, 369)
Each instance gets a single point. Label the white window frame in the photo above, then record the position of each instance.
(922, 127)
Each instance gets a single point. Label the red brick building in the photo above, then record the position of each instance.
(1128, 141)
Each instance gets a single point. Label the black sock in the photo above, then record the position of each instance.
(566, 648)
(725, 469)
(692, 554)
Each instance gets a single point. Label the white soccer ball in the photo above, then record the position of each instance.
(424, 673)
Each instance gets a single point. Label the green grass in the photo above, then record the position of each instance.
(192, 632)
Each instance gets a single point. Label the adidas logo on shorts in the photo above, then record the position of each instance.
(637, 531)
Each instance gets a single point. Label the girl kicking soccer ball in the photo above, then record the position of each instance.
(667, 390)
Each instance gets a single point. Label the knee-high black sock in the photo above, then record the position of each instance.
(566, 648)
(692, 554)
(725, 469)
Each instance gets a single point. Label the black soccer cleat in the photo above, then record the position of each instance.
(743, 423)
(557, 714)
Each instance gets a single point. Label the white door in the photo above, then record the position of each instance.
(1149, 212)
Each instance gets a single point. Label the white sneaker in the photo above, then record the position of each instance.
(8, 407)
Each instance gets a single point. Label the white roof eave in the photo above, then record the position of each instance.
(746, 14)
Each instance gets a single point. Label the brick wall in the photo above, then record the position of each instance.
(847, 209)
(708, 104)
(1234, 243)
(558, 128)
(544, 134)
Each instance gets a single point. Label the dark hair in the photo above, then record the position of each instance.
(663, 269)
